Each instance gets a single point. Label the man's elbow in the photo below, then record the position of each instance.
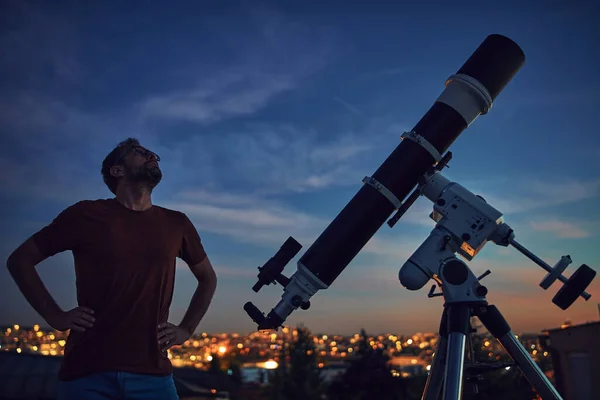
(212, 278)
(26, 256)
(11, 263)
(209, 281)
(16, 262)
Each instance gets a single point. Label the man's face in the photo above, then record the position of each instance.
(141, 167)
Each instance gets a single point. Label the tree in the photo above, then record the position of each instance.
(215, 364)
(277, 379)
(303, 380)
(235, 371)
(368, 376)
(297, 376)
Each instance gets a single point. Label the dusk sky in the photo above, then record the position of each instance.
(267, 117)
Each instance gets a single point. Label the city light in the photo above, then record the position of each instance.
(257, 350)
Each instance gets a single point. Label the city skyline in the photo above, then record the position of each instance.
(267, 118)
(261, 345)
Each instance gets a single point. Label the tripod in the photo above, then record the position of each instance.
(446, 374)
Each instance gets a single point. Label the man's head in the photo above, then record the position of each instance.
(132, 164)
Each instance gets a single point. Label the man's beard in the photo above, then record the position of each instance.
(146, 176)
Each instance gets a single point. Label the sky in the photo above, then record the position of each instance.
(267, 116)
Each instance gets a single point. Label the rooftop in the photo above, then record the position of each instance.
(33, 376)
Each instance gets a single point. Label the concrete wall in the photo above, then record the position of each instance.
(576, 356)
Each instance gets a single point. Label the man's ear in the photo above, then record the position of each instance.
(117, 171)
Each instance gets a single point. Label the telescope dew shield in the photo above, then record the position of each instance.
(468, 94)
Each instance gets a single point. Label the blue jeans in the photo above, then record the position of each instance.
(118, 386)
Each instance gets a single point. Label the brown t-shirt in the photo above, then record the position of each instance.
(125, 270)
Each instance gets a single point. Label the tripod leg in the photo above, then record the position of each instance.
(435, 380)
(495, 323)
(459, 327)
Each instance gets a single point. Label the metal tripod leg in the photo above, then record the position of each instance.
(459, 326)
(435, 379)
(495, 323)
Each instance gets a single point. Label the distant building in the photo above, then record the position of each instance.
(575, 351)
(407, 365)
(331, 371)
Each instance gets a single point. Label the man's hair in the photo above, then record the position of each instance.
(112, 159)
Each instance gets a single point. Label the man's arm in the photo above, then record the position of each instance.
(21, 265)
(61, 235)
(207, 284)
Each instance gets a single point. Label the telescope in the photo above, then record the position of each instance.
(464, 224)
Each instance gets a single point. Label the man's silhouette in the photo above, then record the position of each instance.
(124, 250)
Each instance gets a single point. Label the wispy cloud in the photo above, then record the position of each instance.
(385, 73)
(544, 98)
(561, 229)
(225, 95)
(273, 56)
(527, 194)
(350, 107)
(274, 159)
(226, 271)
(260, 221)
(393, 250)
(248, 219)
(38, 46)
(560, 13)
(53, 150)
(393, 71)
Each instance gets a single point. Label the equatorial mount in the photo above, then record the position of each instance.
(465, 222)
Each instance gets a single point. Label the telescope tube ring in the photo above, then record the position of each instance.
(424, 143)
(387, 193)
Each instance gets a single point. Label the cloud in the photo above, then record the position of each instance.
(394, 250)
(246, 218)
(265, 56)
(39, 47)
(271, 159)
(228, 94)
(224, 270)
(53, 150)
(393, 71)
(543, 98)
(261, 221)
(271, 56)
(528, 194)
(350, 107)
(561, 229)
(263, 158)
(561, 13)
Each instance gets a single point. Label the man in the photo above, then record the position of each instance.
(124, 250)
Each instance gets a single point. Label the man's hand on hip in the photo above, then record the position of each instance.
(77, 319)
(171, 335)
